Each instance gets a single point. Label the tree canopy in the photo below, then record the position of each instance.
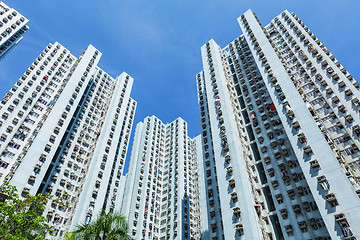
(21, 218)
(107, 226)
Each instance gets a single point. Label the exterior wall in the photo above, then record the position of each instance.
(13, 26)
(194, 161)
(308, 92)
(131, 188)
(27, 105)
(60, 122)
(229, 174)
(278, 102)
(160, 196)
(203, 208)
(101, 192)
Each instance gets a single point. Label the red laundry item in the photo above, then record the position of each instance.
(272, 107)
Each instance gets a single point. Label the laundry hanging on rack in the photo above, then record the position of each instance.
(325, 185)
(272, 107)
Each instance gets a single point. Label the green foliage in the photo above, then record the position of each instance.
(21, 218)
(107, 226)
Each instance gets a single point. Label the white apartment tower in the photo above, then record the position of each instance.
(161, 198)
(65, 128)
(12, 27)
(280, 135)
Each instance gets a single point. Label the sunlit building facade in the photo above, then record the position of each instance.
(12, 27)
(161, 198)
(280, 136)
(65, 127)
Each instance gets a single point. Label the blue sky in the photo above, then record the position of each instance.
(158, 42)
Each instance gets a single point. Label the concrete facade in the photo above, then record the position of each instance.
(161, 198)
(280, 135)
(12, 27)
(65, 131)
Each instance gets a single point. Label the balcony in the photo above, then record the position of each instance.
(277, 155)
(342, 109)
(291, 193)
(288, 229)
(273, 144)
(237, 212)
(355, 102)
(234, 196)
(284, 213)
(53, 178)
(349, 118)
(323, 183)
(267, 160)
(282, 96)
(335, 77)
(275, 184)
(329, 91)
(307, 149)
(273, 80)
(271, 172)
(335, 99)
(296, 125)
(225, 147)
(31, 179)
(348, 92)
(240, 228)
(331, 199)
(296, 209)
(314, 164)
(312, 222)
(302, 225)
(302, 138)
(329, 70)
(300, 190)
(25, 191)
(339, 125)
(263, 149)
(232, 183)
(345, 227)
(258, 130)
(228, 159)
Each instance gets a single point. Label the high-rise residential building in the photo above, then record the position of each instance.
(12, 27)
(161, 198)
(280, 135)
(65, 128)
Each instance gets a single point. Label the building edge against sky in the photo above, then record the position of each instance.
(12, 27)
(280, 135)
(63, 120)
(161, 198)
(277, 158)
